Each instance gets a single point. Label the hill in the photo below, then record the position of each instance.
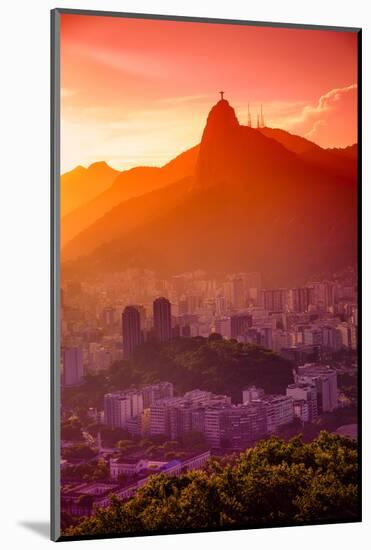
(125, 217)
(81, 185)
(258, 201)
(220, 366)
(341, 163)
(128, 184)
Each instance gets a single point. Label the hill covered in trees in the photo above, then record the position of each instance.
(274, 484)
(213, 364)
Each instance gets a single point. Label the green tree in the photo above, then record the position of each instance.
(275, 483)
(71, 430)
(79, 450)
(125, 444)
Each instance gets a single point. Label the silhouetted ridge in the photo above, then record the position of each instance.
(81, 185)
(265, 200)
(218, 143)
(128, 184)
(232, 153)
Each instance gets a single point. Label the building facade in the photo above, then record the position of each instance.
(119, 407)
(162, 319)
(131, 334)
(72, 366)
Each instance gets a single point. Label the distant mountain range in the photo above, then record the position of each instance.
(81, 184)
(245, 199)
(123, 186)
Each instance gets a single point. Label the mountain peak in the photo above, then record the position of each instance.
(100, 165)
(219, 150)
(222, 118)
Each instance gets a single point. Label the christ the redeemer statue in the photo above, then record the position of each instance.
(221, 94)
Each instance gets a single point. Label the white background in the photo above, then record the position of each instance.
(24, 255)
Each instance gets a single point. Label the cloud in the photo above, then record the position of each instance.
(332, 122)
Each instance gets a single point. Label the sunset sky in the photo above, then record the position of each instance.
(137, 92)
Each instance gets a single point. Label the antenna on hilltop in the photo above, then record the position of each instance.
(262, 123)
(248, 116)
(257, 121)
(222, 94)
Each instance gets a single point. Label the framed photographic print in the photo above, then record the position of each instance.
(206, 274)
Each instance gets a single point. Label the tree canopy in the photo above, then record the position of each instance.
(275, 483)
(214, 364)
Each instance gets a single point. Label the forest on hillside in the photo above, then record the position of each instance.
(213, 364)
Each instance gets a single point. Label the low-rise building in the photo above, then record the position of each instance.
(144, 467)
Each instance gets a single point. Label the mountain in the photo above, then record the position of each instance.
(350, 152)
(233, 153)
(80, 185)
(125, 217)
(292, 142)
(127, 184)
(258, 201)
(338, 162)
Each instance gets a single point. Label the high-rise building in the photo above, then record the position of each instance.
(348, 335)
(252, 280)
(220, 306)
(108, 317)
(322, 294)
(162, 319)
(266, 337)
(282, 339)
(325, 381)
(182, 307)
(299, 299)
(193, 303)
(280, 411)
(155, 392)
(234, 426)
(331, 338)
(243, 425)
(223, 327)
(159, 416)
(177, 415)
(273, 299)
(308, 394)
(119, 406)
(240, 324)
(238, 293)
(73, 369)
(99, 357)
(131, 334)
(312, 336)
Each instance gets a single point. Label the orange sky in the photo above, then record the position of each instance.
(137, 92)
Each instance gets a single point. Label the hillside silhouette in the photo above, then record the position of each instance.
(125, 185)
(258, 199)
(81, 184)
(341, 163)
